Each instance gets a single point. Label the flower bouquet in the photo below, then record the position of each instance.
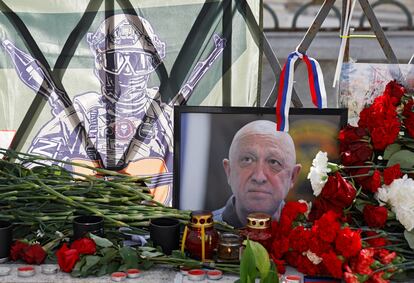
(360, 226)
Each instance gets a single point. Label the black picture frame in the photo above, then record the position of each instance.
(205, 132)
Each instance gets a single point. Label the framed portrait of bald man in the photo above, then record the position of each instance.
(220, 152)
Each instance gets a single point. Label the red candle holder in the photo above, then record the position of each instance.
(200, 238)
(258, 229)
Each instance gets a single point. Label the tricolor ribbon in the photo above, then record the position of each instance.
(316, 85)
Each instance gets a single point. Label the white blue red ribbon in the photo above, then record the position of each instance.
(316, 86)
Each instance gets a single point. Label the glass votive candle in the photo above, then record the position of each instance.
(229, 247)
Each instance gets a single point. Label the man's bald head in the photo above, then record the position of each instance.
(261, 128)
(261, 168)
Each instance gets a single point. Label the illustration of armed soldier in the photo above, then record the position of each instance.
(126, 127)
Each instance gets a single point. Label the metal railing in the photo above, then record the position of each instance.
(296, 17)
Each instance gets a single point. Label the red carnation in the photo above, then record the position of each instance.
(67, 258)
(280, 265)
(17, 249)
(34, 254)
(392, 173)
(381, 121)
(409, 117)
(362, 263)
(395, 91)
(348, 242)
(318, 246)
(408, 108)
(327, 226)
(332, 264)
(290, 212)
(375, 240)
(299, 239)
(375, 216)
(378, 277)
(385, 256)
(349, 277)
(409, 125)
(84, 246)
(386, 134)
(279, 247)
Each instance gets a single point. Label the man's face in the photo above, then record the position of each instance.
(260, 172)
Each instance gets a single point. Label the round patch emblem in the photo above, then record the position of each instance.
(124, 129)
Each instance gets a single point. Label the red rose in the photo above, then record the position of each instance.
(392, 173)
(375, 216)
(368, 183)
(332, 264)
(17, 250)
(395, 91)
(84, 246)
(355, 150)
(348, 242)
(34, 254)
(67, 258)
(338, 192)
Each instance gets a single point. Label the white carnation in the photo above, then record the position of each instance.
(400, 196)
(318, 174)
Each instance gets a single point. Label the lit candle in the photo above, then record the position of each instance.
(229, 247)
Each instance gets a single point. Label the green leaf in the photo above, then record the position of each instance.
(247, 264)
(76, 271)
(153, 252)
(101, 242)
(390, 150)
(272, 276)
(404, 157)
(109, 255)
(145, 265)
(261, 258)
(102, 270)
(112, 267)
(129, 256)
(409, 236)
(177, 254)
(91, 261)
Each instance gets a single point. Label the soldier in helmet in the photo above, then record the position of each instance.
(126, 127)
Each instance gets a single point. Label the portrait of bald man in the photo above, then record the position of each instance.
(261, 168)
